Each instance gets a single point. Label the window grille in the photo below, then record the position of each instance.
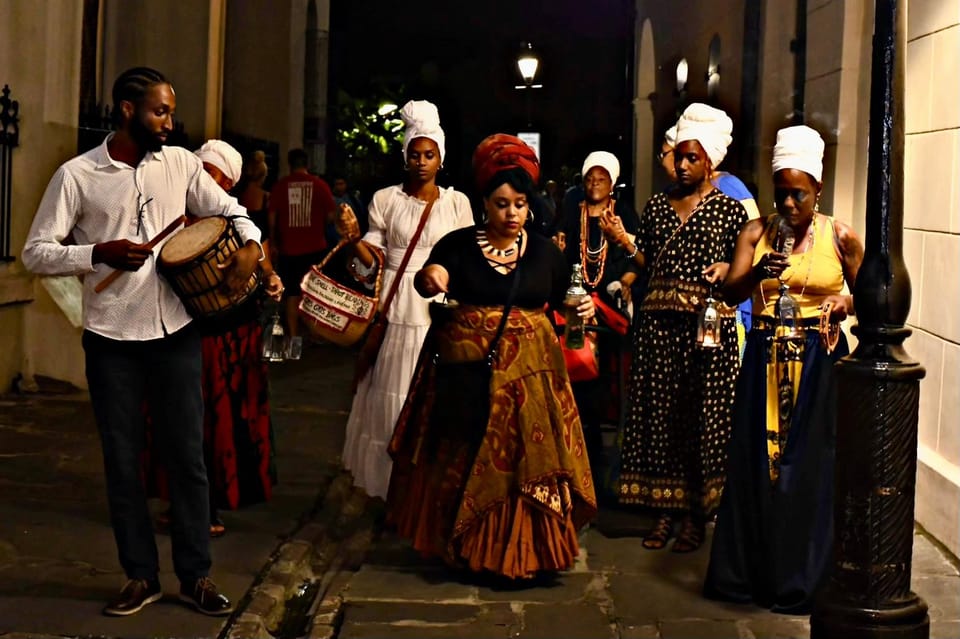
(9, 139)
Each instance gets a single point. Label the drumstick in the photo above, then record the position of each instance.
(110, 279)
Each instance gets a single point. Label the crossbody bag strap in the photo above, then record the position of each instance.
(506, 308)
(395, 284)
(683, 224)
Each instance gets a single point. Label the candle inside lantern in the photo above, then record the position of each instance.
(708, 326)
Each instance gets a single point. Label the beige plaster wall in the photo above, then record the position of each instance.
(170, 36)
(264, 71)
(776, 89)
(39, 45)
(837, 100)
(932, 254)
(686, 34)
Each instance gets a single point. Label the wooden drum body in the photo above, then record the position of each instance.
(189, 262)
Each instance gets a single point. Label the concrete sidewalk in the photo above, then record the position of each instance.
(58, 563)
(616, 590)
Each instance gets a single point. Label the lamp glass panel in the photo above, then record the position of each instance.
(528, 67)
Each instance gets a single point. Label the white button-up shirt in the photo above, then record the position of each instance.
(99, 199)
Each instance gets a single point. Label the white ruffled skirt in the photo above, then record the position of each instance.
(376, 406)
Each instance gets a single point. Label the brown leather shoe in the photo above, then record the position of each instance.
(136, 594)
(203, 595)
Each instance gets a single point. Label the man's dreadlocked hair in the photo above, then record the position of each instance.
(132, 85)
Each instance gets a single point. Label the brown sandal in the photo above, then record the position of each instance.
(657, 538)
(217, 529)
(690, 536)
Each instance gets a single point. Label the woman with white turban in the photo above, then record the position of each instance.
(673, 450)
(394, 216)
(600, 237)
(728, 184)
(237, 429)
(773, 539)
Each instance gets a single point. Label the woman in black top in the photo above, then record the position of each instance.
(502, 491)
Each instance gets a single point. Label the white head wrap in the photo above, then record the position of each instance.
(710, 127)
(670, 137)
(801, 148)
(422, 121)
(223, 156)
(604, 160)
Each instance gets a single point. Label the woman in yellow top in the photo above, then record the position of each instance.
(772, 542)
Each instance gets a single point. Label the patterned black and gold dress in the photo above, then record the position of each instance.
(674, 442)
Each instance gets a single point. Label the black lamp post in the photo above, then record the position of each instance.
(868, 596)
(528, 63)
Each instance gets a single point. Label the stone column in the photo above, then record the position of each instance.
(869, 595)
(316, 73)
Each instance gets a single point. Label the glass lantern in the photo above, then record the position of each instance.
(273, 347)
(789, 335)
(708, 326)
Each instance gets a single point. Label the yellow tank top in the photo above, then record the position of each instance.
(812, 275)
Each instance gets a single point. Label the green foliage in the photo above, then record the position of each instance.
(367, 127)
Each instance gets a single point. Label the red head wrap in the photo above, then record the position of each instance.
(500, 152)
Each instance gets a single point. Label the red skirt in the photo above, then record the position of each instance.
(237, 429)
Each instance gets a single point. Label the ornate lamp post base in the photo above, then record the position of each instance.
(908, 620)
(869, 596)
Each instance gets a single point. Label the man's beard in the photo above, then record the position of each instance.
(144, 138)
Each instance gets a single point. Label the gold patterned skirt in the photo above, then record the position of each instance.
(510, 498)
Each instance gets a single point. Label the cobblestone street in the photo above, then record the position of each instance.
(311, 562)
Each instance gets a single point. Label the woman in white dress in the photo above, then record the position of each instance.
(394, 216)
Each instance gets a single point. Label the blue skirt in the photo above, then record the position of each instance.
(773, 540)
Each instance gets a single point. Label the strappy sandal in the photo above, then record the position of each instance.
(657, 538)
(690, 536)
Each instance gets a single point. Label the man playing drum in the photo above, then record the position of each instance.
(139, 342)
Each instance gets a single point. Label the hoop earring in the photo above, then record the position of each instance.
(816, 206)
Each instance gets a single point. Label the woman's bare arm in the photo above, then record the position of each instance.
(742, 277)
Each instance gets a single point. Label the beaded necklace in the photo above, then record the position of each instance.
(493, 255)
(589, 256)
(490, 249)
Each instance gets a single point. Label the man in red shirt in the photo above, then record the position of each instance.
(301, 204)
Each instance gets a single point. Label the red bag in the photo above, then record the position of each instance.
(610, 317)
(583, 364)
